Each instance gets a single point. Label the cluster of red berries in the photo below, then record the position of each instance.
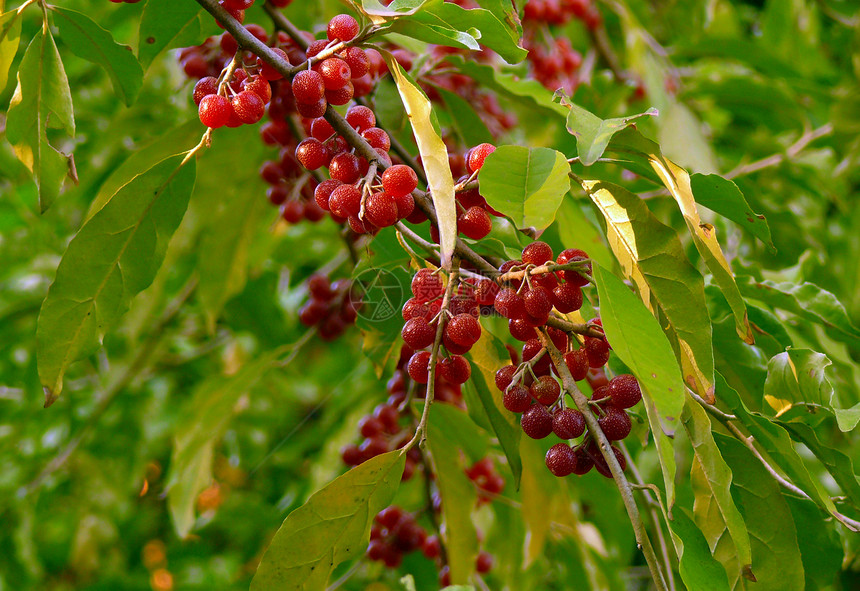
(332, 306)
(489, 482)
(460, 332)
(561, 12)
(290, 189)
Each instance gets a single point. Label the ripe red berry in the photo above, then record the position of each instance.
(432, 547)
(517, 399)
(537, 253)
(477, 156)
(335, 72)
(545, 390)
(359, 63)
(455, 369)
(571, 255)
(345, 168)
(343, 27)
(536, 422)
(509, 304)
(323, 192)
(560, 459)
(248, 106)
(399, 180)
(600, 463)
(615, 424)
(568, 423)
(205, 87)
(237, 4)
(312, 110)
(267, 71)
(567, 297)
(312, 153)
(474, 223)
(418, 367)
(426, 285)
(504, 376)
(484, 562)
(624, 391)
(521, 329)
(342, 95)
(360, 117)
(417, 333)
(308, 88)
(345, 201)
(214, 111)
(381, 210)
(321, 129)
(259, 86)
(537, 303)
(597, 351)
(377, 138)
(405, 205)
(464, 329)
(577, 363)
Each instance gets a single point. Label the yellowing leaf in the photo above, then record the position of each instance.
(434, 156)
(704, 235)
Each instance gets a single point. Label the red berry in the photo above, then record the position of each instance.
(312, 153)
(432, 547)
(521, 329)
(335, 73)
(321, 129)
(571, 255)
(399, 180)
(259, 86)
(345, 168)
(359, 63)
(455, 369)
(624, 391)
(560, 459)
(545, 390)
(568, 423)
(248, 106)
(474, 223)
(418, 367)
(343, 27)
(537, 253)
(214, 111)
(205, 87)
(615, 424)
(426, 285)
(418, 333)
(509, 304)
(477, 156)
(312, 110)
(567, 297)
(345, 201)
(342, 95)
(323, 192)
(577, 363)
(293, 212)
(267, 71)
(517, 399)
(308, 87)
(536, 422)
(463, 329)
(360, 117)
(537, 303)
(504, 376)
(484, 562)
(405, 205)
(377, 138)
(597, 351)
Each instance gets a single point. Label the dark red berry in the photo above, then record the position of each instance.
(484, 562)
(536, 421)
(205, 87)
(568, 423)
(405, 205)
(426, 285)
(560, 459)
(577, 363)
(464, 329)
(504, 376)
(509, 304)
(522, 330)
(584, 463)
(259, 86)
(537, 303)
(474, 223)
(624, 391)
(321, 129)
(615, 424)
(567, 297)
(381, 210)
(418, 333)
(308, 88)
(597, 351)
(455, 369)
(545, 390)
(537, 253)
(418, 367)
(517, 399)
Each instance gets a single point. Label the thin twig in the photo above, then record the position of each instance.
(790, 153)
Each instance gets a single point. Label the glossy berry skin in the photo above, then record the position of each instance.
(360, 117)
(536, 422)
(405, 205)
(566, 298)
(577, 363)
(377, 138)
(204, 87)
(504, 376)
(323, 191)
(545, 390)
(509, 304)
(312, 154)
(568, 423)
(569, 256)
(426, 285)
(463, 329)
(600, 463)
(560, 459)
(345, 168)
(248, 107)
(214, 111)
(267, 71)
(517, 399)
(477, 156)
(381, 210)
(312, 110)
(343, 27)
(335, 73)
(537, 253)
(357, 60)
(399, 180)
(345, 201)
(624, 391)
(537, 303)
(584, 463)
(474, 223)
(340, 96)
(418, 333)
(259, 86)
(455, 369)
(418, 367)
(597, 351)
(615, 424)
(522, 329)
(308, 87)
(320, 128)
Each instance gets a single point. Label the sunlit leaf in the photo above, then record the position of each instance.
(90, 41)
(113, 257)
(10, 35)
(331, 527)
(723, 196)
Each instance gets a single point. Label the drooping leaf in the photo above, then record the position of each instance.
(166, 24)
(206, 417)
(113, 257)
(527, 184)
(725, 198)
(10, 35)
(593, 133)
(42, 99)
(331, 527)
(776, 559)
(714, 508)
(639, 342)
(776, 441)
(699, 570)
(457, 492)
(806, 300)
(488, 356)
(90, 41)
(652, 257)
(434, 156)
(820, 547)
(677, 181)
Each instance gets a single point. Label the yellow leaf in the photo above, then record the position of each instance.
(434, 156)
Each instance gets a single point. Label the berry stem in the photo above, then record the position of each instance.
(578, 266)
(614, 467)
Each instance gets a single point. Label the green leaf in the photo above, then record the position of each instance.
(42, 99)
(166, 24)
(807, 301)
(458, 494)
(820, 547)
(714, 509)
(452, 424)
(488, 355)
(699, 570)
(469, 125)
(434, 156)
(89, 41)
(331, 527)
(651, 256)
(776, 441)
(725, 198)
(797, 378)
(205, 418)
(10, 34)
(526, 184)
(436, 34)
(593, 133)
(776, 557)
(113, 257)
(639, 342)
